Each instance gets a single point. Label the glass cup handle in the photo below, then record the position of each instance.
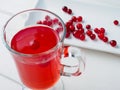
(72, 62)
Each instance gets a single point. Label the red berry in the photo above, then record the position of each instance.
(88, 26)
(101, 36)
(102, 30)
(55, 21)
(67, 34)
(116, 22)
(74, 18)
(65, 8)
(49, 23)
(96, 30)
(69, 11)
(79, 18)
(45, 22)
(82, 37)
(72, 28)
(79, 26)
(105, 39)
(113, 43)
(93, 36)
(39, 22)
(88, 32)
(70, 22)
(76, 33)
(81, 30)
(59, 29)
(47, 17)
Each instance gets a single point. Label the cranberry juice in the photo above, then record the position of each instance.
(41, 70)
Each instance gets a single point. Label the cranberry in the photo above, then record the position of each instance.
(82, 37)
(72, 28)
(81, 30)
(69, 11)
(79, 18)
(76, 33)
(79, 26)
(74, 18)
(34, 44)
(65, 8)
(116, 22)
(96, 30)
(39, 22)
(70, 22)
(101, 36)
(89, 32)
(45, 22)
(93, 36)
(47, 17)
(113, 43)
(105, 39)
(55, 21)
(49, 23)
(67, 34)
(88, 26)
(59, 29)
(102, 30)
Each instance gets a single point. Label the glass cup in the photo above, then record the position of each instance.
(42, 70)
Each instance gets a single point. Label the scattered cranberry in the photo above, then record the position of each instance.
(67, 34)
(88, 26)
(74, 19)
(82, 37)
(47, 17)
(93, 36)
(89, 32)
(101, 36)
(81, 30)
(69, 23)
(39, 22)
(96, 30)
(49, 23)
(105, 39)
(55, 21)
(77, 33)
(59, 29)
(79, 26)
(65, 8)
(102, 30)
(69, 11)
(79, 18)
(72, 28)
(113, 43)
(116, 22)
(45, 22)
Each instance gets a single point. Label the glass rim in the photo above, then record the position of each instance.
(36, 54)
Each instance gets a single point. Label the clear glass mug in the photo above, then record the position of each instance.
(42, 71)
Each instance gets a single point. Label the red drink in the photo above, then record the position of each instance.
(40, 71)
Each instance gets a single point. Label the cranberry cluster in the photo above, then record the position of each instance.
(67, 10)
(74, 26)
(52, 22)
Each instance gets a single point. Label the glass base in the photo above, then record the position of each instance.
(58, 86)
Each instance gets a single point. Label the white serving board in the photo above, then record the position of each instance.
(97, 15)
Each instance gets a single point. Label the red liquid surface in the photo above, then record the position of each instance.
(40, 71)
